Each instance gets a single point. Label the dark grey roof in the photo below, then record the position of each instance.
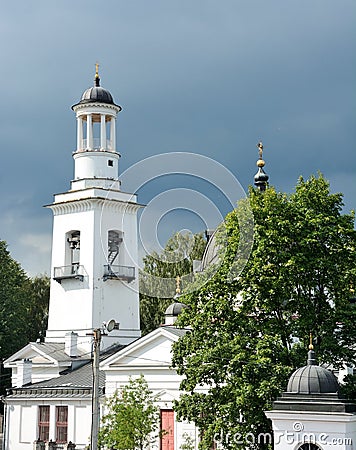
(56, 350)
(71, 383)
(312, 379)
(175, 309)
(315, 389)
(97, 94)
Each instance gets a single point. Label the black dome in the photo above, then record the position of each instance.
(312, 379)
(261, 176)
(97, 94)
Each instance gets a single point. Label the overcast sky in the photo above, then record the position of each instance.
(198, 76)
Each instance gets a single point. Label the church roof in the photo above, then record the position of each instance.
(312, 379)
(71, 383)
(97, 94)
(46, 352)
(313, 389)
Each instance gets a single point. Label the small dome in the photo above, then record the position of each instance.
(97, 94)
(175, 309)
(261, 176)
(312, 379)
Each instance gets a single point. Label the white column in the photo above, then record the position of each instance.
(113, 134)
(103, 132)
(89, 132)
(79, 134)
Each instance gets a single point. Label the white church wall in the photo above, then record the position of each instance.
(20, 426)
(328, 430)
(22, 422)
(70, 300)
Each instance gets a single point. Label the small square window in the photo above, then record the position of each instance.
(110, 163)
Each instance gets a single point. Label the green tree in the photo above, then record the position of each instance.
(132, 418)
(158, 277)
(13, 303)
(37, 306)
(23, 309)
(249, 332)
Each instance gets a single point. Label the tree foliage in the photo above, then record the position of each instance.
(158, 277)
(132, 418)
(248, 334)
(23, 310)
(23, 305)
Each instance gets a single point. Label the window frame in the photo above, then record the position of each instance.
(43, 425)
(61, 425)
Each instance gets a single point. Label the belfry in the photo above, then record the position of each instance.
(94, 250)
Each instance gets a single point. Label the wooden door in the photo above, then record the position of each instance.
(167, 426)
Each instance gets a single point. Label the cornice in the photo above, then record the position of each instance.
(91, 204)
(96, 105)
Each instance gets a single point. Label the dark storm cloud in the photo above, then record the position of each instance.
(199, 76)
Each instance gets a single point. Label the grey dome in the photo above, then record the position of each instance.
(175, 309)
(312, 379)
(97, 94)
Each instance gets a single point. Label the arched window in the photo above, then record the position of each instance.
(114, 242)
(115, 267)
(309, 446)
(73, 249)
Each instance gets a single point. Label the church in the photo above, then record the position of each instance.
(94, 292)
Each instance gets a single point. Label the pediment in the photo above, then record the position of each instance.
(154, 349)
(31, 352)
(167, 396)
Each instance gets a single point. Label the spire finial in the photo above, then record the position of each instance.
(178, 290)
(311, 354)
(261, 178)
(311, 346)
(97, 78)
(178, 279)
(260, 162)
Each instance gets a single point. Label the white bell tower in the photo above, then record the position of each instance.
(94, 252)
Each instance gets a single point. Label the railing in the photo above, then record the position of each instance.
(96, 145)
(52, 445)
(115, 272)
(75, 271)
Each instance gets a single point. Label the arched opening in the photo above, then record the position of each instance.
(116, 268)
(309, 446)
(115, 239)
(72, 267)
(73, 250)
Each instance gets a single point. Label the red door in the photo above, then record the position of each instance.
(167, 426)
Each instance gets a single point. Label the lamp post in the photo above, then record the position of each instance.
(98, 333)
(95, 399)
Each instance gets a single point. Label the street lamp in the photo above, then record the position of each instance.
(98, 333)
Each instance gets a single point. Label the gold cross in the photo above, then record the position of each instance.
(311, 346)
(178, 284)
